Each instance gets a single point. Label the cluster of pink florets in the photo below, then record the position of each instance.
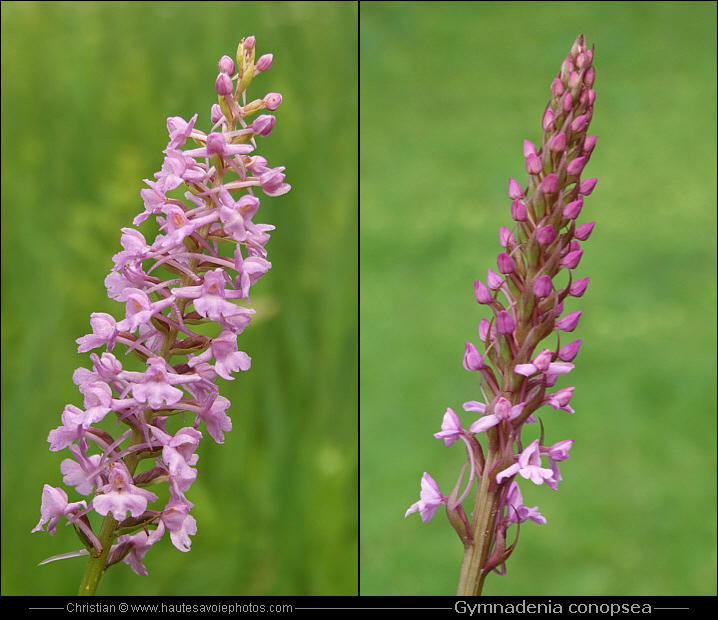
(197, 271)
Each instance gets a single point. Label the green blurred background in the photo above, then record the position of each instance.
(86, 90)
(448, 91)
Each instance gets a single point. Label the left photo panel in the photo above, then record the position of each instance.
(180, 284)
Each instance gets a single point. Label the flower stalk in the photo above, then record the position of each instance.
(197, 272)
(522, 354)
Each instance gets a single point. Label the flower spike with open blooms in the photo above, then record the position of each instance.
(518, 365)
(197, 271)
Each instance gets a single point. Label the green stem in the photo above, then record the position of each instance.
(96, 565)
(486, 508)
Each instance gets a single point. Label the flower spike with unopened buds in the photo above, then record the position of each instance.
(521, 355)
(198, 271)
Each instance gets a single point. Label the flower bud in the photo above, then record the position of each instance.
(248, 43)
(573, 209)
(588, 144)
(505, 323)
(272, 101)
(571, 260)
(226, 65)
(506, 263)
(548, 120)
(589, 77)
(570, 351)
(515, 190)
(519, 211)
(578, 46)
(574, 81)
(543, 286)
(506, 238)
(546, 235)
(494, 280)
(558, 143)
(578, 288)
(223, 85)
(588, 97)
(584, 230)
(263, 124)
(216, 113)
(587, 186)
(533, 164)
(579, 123)
(485, 329)
(569, 322)
(482, 293)
(549, 185)
(264, 62)
(576, 166)
(472, 358)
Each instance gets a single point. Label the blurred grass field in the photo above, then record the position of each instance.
(86, 90)
(448, 92)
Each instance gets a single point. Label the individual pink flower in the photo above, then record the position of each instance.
(556, 453)
(561, 399)
(236, 215)
(54, 506)
(156, 388)
(82, 471)
(120, 496)
(431, 499)
(543, 364)
(104, 331)
(228, 359)
(517, 512)
(450, 428)
(528, 465)
(272, 182)
(178, 453)
(210, 299)
(180, 524)
(179, 130)
(140, 309)
(141, 543)
(249, 270)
